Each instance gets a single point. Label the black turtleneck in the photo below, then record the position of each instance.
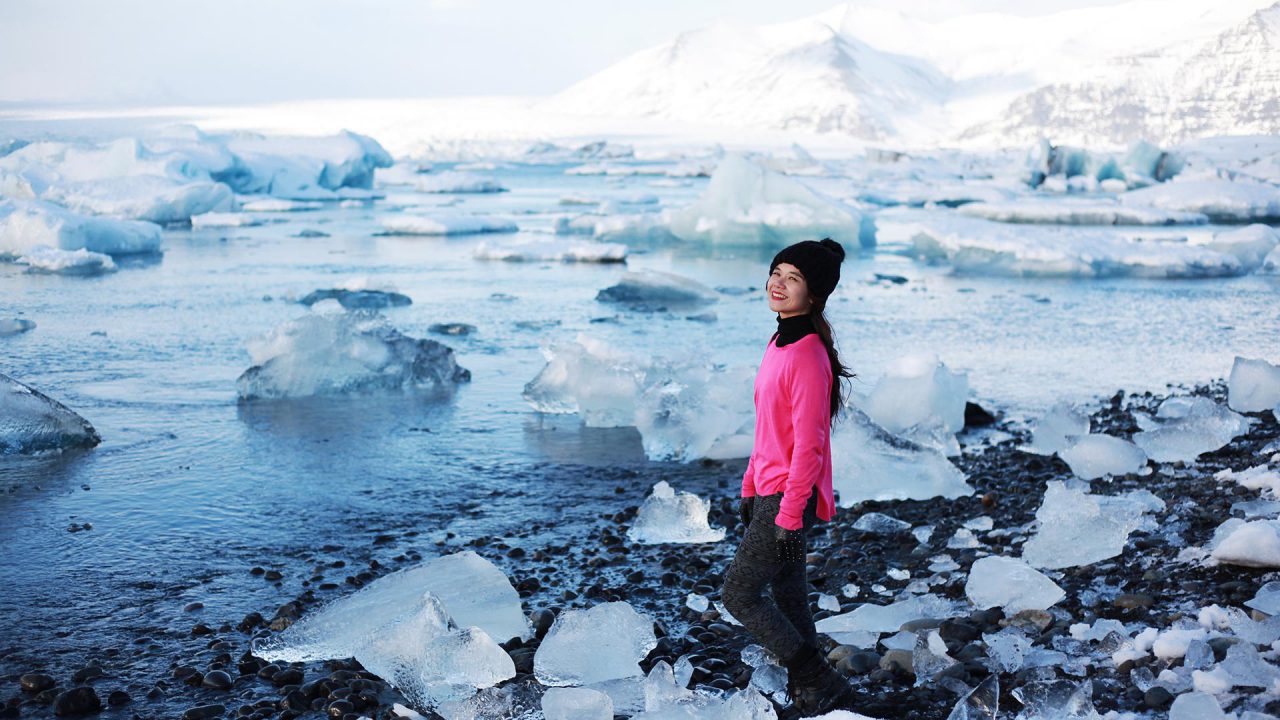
(792, 329)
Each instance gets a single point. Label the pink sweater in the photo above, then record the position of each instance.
(792, 452)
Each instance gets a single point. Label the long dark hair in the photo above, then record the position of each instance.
(839, 372)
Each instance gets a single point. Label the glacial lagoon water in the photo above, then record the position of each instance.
(190, 488)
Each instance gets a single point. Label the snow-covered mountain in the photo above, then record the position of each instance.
(1102, 75)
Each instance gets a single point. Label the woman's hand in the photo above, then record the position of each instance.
(744, 510)
(789, 544)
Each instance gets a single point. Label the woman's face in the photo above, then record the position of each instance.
(787, 291)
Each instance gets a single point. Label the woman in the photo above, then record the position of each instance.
(787, 486)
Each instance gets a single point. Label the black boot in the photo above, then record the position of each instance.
(816, 687)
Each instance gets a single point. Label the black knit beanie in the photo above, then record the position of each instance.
(819, 262)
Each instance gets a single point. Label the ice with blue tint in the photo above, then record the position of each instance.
(1072, 211)
(43, 258)
(552, 251)
(1057, 429)
(345, 353)
(458, 182)
(1253, 543)
(1183, 428)
(1007, 650)
(920, 398)
(665, 699)
(1094, 456)
(31, 421)
(588, 377)
(869, 463)
(879, 523)
(747, 204)
(1239, 200)
(304, 168)
(602, 643)
(1253, 386)
(1077, 528)
(980, 703)
(670, 517)
(1196, 706)
(29, 224)
(446, 224)
(1056, 700)
(929, 656)
(871, 618)
(1010, 584)
(572, 703)
(1250, 245)
(652, 291)
(224, 220)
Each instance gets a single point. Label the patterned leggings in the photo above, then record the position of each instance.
(782, 623)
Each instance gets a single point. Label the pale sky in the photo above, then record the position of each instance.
(249, 51)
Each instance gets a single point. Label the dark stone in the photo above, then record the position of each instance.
(295, 701)
(87, 673)
(1157, 698)
(77, 701)
(287, 676)
(958, 631)
(192, 607)
(1133, 601)
(118, 697)
(542, 621)
(35, 682)
(201, 712)
(217, 679)
(977, 416)
(339, 708)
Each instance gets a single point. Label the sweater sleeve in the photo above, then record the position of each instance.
(810, 389)
(749, 478)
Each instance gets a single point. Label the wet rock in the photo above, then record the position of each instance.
(192, 606)
(1157, 698)
(35, 682)
(87, 673)
(287, 676)
(339, 708)
(77, 701)
(897, 661)
(118, 697)
(202, 712)
(1134, 601)
(296, 702)
(977, 416)
(542, 621)
(217, 679)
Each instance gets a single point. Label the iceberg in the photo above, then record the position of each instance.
(983, 247)
(587, 377)
(28, 224)
(32, 422)
(1094, 456)
(1186, 427)
(42, 258)
(303, 168)
(1070, 211)
(1056, 430)
(569, 703)
(346, 353)
(151, 198)
(1250, 245)
(409, 224)
(1077, 528)
(918, 397)
(747, 204)
(872, 464)
(223, 219)
(670, 517)
(1221, 200)
(1010, 584)
(1254, 385)
(605, 642)
(553, 251)
(277, 205)
(1255, 543)
(451, 181)
(654, 291)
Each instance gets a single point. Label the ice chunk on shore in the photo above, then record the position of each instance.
(1093, 456)
(1056, 430)
(1254, 385)
(1071, 211)
(692, 411)
(43, 258)
(602, 643)
(1057, 700)
(1077, 528)
(929, 657)
(1186, 427)
(1196, 706)
(1258, 477)
(665, 699)
(340, 354)
(1250, 245)
(1007, 650)
(670, 517)
(980, 703)
(746, 204)
(697, 602)
(1246, 668)
(888, 618)
(872, 464)
(451, 181)
(651, 290)
(410, 224)
(32, 422)
(552, 251)
(917, 395)
(1222, 200)
(881, 524)
(1173, 642)
(571, 703)
(590, 378)
(1267, 599)
(1010, 584)
(28, 224)
(1251, 544)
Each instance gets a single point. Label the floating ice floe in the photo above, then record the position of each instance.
(654, 291)
(428, 630)
(357, 299)
(863, 625)
(670, 517)
(1010, 584)
(626, 227)
(43, 258)
(277, 205)
(1221, 200)
(574, 703)
(342, 354)
(1056, 430)
(605, 642)
(1142, 164)
(15, 326)
(304, 168)
(919, 398)
(983, 247)
(1069, 211)
(223, 219)
(1250, 245)
(1077, 528)
(32, 422)
(1186, 427)
(552, 251)
(1254, 385)
(410, 224)
(458, 182)
(1253, 543)
(746, 204)
(1094, 456)
(869, 463)
(27, 224)
(590, 378)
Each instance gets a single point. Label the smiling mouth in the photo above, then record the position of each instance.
(776, 296)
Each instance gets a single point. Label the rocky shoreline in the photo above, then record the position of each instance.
(212, 673)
